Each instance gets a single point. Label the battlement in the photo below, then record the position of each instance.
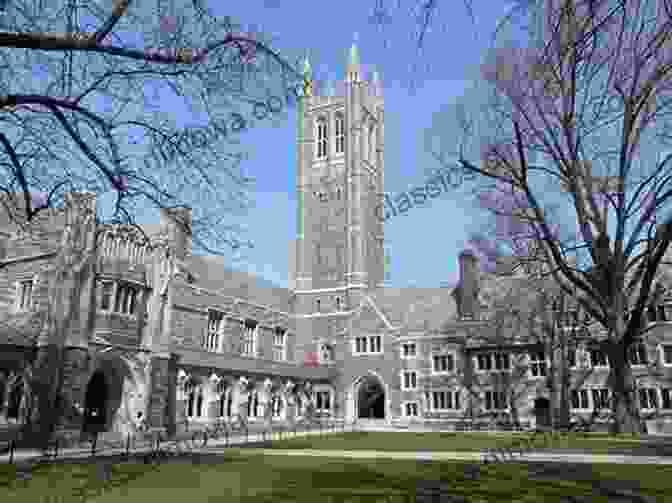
(124, 242)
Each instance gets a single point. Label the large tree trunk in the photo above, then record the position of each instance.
(622, 384)
(46, 407)
(564, 415)
(565, 382)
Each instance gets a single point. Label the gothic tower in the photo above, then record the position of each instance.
(339, 246)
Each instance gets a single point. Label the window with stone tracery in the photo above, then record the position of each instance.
(322, 138)
(194, 403)
(326, 353)
(216, 322)
(277, 405)
(126, 299)
(279, 339)
(322, 401)
(340, 133)
(254, 406)
(249, 338)
(225, 402)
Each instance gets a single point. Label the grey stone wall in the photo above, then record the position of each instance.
(76, 373)
(160, 389)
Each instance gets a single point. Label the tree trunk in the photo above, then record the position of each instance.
(622, 384)
(564, 416)
(46, 407)
(565, 382)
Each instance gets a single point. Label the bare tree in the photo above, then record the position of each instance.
(85, 96)
(88, 94)
(589, 95)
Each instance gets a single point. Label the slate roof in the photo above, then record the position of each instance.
(416, 308)
(212, 273)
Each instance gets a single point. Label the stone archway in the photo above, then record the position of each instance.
(370, 398)
(126, 392)
(542, 411)
(96, 403)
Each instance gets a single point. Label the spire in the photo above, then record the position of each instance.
(352, 72)
(354, 55)
(307, 78)
(375, 84)
(307, 70)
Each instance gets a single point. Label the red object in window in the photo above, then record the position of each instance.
(311, 359)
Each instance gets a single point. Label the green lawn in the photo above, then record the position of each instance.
(254, 478)
(407, 441)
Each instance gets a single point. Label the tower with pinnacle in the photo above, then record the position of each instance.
(339, 247)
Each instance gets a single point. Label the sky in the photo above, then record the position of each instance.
(424, 243)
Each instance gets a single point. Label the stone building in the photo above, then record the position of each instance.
(156, 335)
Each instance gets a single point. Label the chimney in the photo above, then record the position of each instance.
(176, 226)
(468, 287)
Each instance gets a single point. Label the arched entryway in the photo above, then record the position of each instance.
(96, 403)
(370, 398)
(542, 411)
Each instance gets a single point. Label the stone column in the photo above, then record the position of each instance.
(212, 398)
(180, 399)
(159, 391)
(242, 397)
(171, 405)
(290, 401)
(265, 400)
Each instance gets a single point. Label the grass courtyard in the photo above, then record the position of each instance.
(246, 476)
(459, 441)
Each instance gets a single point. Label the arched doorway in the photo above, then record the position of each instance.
(95, 409)
(370, 399)
(14, 401)
(542, 412)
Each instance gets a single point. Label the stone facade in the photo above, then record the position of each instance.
(181, 340)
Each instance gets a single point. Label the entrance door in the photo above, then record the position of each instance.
(371, 399)
(542, 412)
(95, 411)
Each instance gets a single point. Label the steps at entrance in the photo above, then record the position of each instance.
(373, 424)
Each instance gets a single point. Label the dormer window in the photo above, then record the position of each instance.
(322, 138)
(340, 133)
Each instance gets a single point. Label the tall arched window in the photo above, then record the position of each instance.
(322, 138)
(277, 406)
(194, 405)
(225, 402)
(253, 405)
(340, 133)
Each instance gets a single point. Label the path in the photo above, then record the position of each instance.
(549, 456)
